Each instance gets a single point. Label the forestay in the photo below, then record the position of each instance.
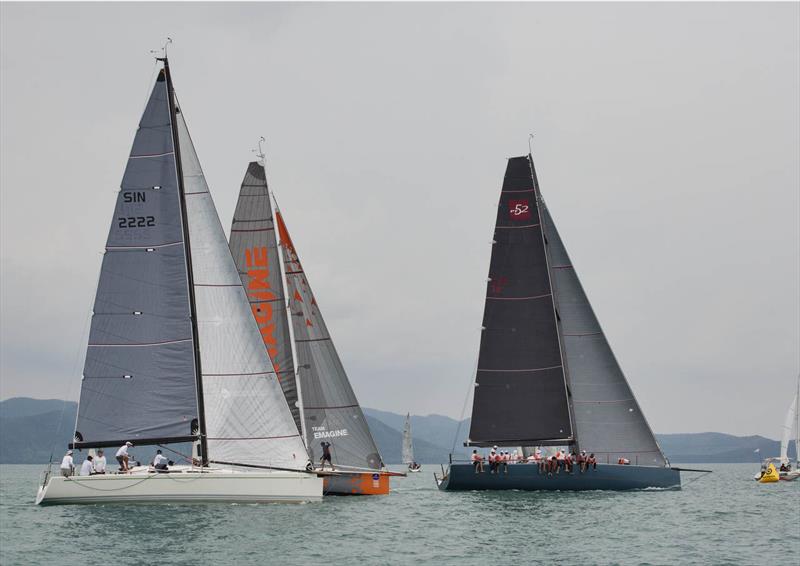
(608, 420)
(521, 394)
(139, 376)
(246, 415)
(255, 251)
(331, 411)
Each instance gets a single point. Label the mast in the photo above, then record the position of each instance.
(287, 313)
(192, 301)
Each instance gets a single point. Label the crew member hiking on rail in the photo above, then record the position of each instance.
(67, 465)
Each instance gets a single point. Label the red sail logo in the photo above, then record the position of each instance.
(519, 210)
(258, 289)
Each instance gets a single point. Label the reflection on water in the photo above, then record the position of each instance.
(723, 518)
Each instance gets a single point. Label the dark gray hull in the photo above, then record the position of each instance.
(526, 477)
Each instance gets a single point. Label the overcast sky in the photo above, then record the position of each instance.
(667, 143)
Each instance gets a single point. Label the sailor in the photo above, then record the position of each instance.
(591, 461)
(581, 459)
(87, 468)
(477, 462)
(67, 465)
(504, 458)
(623, 461)
(100, 462)
(159, 462)
(560, 462)
(326, 454)
(568, 459)
(122, 456)
(493, 460)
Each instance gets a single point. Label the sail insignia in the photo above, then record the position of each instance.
(254, 247)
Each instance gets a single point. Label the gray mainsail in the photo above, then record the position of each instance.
(608, 420)
(139, 376)
(255, 251)
(330, 408)
(521, 395)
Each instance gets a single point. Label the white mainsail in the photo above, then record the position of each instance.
(791, 428)
(246, 415)
(408, 447)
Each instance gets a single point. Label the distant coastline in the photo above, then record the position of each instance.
(29, 432)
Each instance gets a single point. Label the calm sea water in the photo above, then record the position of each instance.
(724, 518)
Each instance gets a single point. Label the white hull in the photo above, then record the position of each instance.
(182, 486)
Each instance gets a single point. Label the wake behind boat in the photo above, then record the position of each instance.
(546, 374)
(174, 354)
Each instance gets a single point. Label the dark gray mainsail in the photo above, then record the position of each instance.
(330, 408)
(608, 420)
(255, 250)
(139, 375)
(521, 395)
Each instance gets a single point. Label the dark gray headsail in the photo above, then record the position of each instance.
(520, 389)
(330, 408)
(139, 381)
(255, 250)
(608, 420)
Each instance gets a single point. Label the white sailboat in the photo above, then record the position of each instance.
(174, 353)
(791, 429)
(408, 448)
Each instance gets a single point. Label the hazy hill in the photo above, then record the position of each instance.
(29, 430)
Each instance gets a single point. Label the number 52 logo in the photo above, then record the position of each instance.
(519, 210)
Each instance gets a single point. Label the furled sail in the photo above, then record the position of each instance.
(139, 380)
(331, 411)
(408, 447)
(246, 416)
(608, 420)
(255, 251)
(521, 392)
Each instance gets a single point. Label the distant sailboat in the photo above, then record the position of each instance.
(408, 448)
(791, 429)
(546, 373)
(324, 405)
(174, 355)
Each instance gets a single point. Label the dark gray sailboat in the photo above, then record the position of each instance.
(546, 374)
(323, 402)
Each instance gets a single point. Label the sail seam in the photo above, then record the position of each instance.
(603, 402)
(510, 227)
(314, 339)
(253, 229)
(518, 298)
(112, 248)
(582, 333)
(142, 343)
(334, 407)
(217, 284)
(146, 155)
(532, 369)
(236, 374)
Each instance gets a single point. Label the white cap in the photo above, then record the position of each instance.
(69, 451)
(129, 443)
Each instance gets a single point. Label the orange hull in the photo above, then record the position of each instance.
(356, 483)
